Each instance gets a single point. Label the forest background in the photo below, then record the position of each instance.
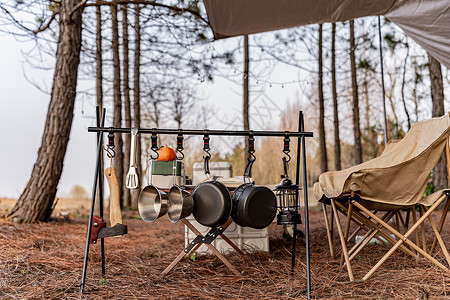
(188, 80)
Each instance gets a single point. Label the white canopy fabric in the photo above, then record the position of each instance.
(425, 21)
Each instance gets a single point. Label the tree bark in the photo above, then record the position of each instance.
(337, 140)
(117, 120)
(322, 139)
(246, 92)
(136, 98)
(440, 178)
(356, 126)
(126, 201)
(99, 83)
(36, 202)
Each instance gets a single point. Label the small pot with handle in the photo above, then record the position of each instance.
(253, 205)
(212, 200)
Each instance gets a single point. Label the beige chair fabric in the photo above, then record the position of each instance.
(399, 176)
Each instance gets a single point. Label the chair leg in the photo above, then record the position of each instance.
(405, 227)
(347, 227)
(329, 233)
(439, 239)
(403, 238)
(441, 223)
(368, 236)
(343, 242)
(370, 224)
(424, 240)
(414, 215)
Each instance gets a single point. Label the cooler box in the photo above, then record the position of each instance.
(216, 168)
(167, 173)
(245, 238)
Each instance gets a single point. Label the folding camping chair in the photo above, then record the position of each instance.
(377, 191)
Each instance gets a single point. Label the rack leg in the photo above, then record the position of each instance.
(100, 192)
(301, 142)
(94, 191)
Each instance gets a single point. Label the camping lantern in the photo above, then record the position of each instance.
(287, 203)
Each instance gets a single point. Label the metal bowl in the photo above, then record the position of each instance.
(153, 203)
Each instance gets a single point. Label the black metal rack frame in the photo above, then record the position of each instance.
(100, 129)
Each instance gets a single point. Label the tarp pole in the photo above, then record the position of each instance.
(382, 82)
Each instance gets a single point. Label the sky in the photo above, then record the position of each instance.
(23, 109)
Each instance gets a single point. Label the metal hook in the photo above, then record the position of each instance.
(180, 147)
(252, 155)
(206, 149)
(110, 153)
(286, 149)
(154, 145)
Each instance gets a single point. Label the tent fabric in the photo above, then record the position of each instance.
(399, 176)
(427, 22)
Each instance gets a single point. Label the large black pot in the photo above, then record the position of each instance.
(253, 206)
(212, 204)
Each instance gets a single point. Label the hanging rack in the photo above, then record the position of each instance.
(99, 129)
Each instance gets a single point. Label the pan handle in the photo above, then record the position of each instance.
(248, 168)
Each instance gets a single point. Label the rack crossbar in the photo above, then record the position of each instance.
(203, 132)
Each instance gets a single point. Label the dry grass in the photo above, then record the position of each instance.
(44, 261)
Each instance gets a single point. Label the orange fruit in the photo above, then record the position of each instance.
(166, 154)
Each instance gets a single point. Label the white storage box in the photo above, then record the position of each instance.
(216, 168)
(245, 238)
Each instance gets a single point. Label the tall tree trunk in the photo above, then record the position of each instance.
(337, 140)
(403, 87)
(36, 202)
(126, 201)
(136, 98)
(440, 180)
(322, 139)
(356, 126)
(99, 83)
(246, 91)
(117, 120)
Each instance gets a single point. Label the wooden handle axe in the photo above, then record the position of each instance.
(115, 213)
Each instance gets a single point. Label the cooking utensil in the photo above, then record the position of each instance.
(132, 176)
(212, 200)
(181, 204)
(152, 203)
(212, 203)
(253, 205)
(115, 213)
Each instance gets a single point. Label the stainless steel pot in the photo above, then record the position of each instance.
(152, 203)
(181, 204)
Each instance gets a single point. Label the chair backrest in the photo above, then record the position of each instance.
(399, 176)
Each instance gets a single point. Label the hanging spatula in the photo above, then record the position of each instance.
(132, 176)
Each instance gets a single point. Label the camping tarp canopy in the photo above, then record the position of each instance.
(426, 21)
